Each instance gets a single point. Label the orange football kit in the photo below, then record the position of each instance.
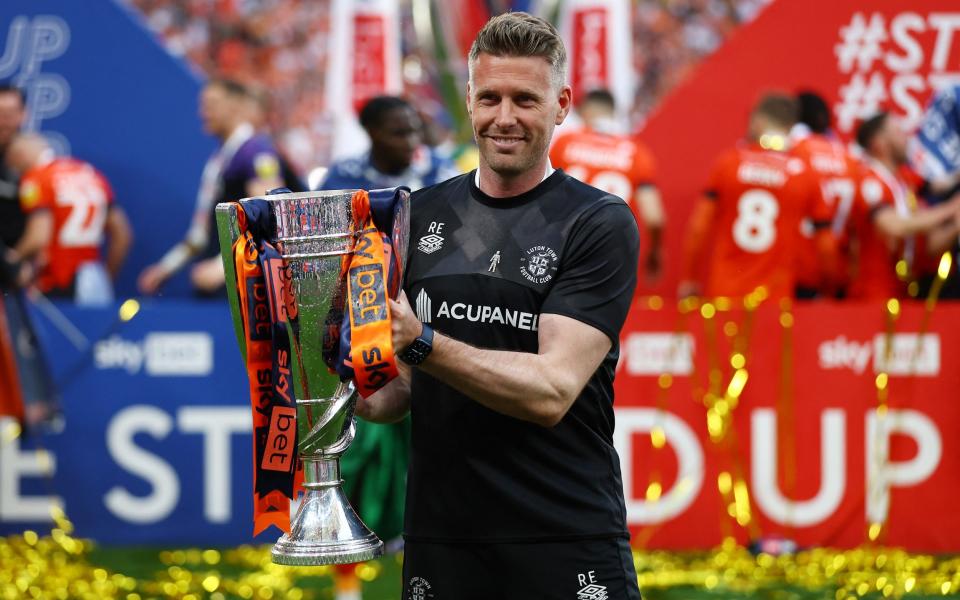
(79, 198)
(751, 213)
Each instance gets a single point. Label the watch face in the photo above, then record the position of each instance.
(419, 349)
(416, 352)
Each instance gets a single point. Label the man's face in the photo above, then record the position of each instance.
(396, 137)
(217, 108)
(514, 107)
(11, 116)
(894, 134)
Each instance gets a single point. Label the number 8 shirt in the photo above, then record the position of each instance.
(761, 197)
(79, 197)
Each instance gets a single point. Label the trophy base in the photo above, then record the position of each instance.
(298, 554)
(326, 530)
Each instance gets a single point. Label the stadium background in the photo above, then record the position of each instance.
(153, 454)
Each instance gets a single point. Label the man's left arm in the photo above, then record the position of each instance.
(36, 234)
(650, 208)
(580, 320)
(532, 387)
(35, 202)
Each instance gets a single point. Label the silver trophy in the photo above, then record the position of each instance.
(314, 231)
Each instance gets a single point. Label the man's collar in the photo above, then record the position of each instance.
(240, 134)
(547, 173)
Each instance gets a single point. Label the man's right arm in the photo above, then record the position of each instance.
(391, 403)
(698, 231)
(177, 257)
(892, 224)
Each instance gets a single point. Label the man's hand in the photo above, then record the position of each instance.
(390, 404)
(151, 278)
(404, 324)
(207, 275)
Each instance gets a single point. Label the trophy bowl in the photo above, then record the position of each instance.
(313, 233)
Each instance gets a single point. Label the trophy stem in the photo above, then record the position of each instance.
(321, 471)
(325, 530)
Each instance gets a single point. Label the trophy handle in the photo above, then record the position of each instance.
(228, 230)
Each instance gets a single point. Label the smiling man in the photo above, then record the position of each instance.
(521, 278)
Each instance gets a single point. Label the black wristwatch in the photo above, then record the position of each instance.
(419, 349)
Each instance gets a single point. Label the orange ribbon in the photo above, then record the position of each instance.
(371, 342)
(263, 303)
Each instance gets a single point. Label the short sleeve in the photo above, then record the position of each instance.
(717, 174)
(257, 159)
(872, 192)
(819, 211)
(598, 273)
(644, 166)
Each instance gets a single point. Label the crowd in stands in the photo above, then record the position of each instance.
(282, 46)
(672, 36)
(279, 46)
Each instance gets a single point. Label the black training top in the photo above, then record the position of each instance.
(482, 270)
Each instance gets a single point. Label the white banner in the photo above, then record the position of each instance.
(600, 48)
(364, 61)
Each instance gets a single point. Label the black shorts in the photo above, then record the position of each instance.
(572, 570)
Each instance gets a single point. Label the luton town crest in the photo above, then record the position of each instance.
(539, 264)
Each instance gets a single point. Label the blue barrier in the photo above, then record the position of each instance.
(156, 446)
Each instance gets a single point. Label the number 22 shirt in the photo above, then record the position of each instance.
(79, 197)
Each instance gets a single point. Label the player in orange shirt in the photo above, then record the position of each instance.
(886, 217)
(70, 207)
(616, 164)
(751, 212)
(838, 173)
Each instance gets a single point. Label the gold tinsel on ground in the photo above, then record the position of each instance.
(58, 566)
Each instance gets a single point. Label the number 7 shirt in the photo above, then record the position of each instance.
(760, 197)
(79, 197)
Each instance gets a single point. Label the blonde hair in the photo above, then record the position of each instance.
(522, 34)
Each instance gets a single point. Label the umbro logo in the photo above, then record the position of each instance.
(593, 592)
(433, 241)
(430, 243)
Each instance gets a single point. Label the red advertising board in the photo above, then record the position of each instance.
(819, 463)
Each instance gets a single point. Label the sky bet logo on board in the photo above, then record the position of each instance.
(901, 354)
(161, 354)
